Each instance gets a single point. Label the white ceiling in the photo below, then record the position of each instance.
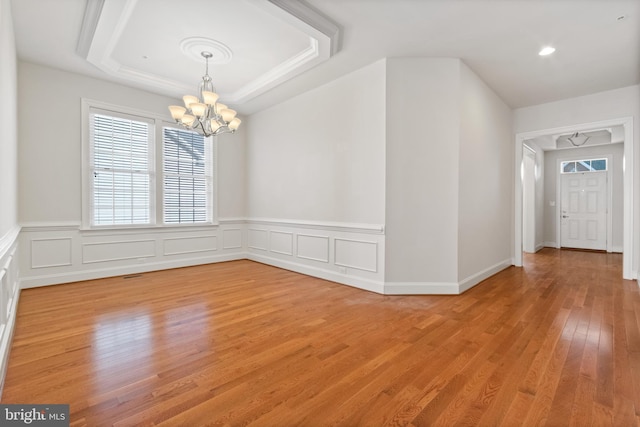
(279, 48)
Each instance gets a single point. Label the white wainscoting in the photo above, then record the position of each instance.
(61, 253)
(9, 294)
(351, 254)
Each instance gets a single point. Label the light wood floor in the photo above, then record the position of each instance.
(555, 343)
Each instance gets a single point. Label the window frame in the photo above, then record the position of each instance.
(156, 187)
(564, 162)
(211, 190)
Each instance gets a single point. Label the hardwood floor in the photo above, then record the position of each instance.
(555, 343)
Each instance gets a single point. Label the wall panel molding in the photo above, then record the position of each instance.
(313, 247)
(51, 252)
(321, 250)
(91, 254)
(281, 242)
(10, 294)
(125, 249)
(320, 225)
(190, 244)
(258, 239)
(232, 238)
(358, 254)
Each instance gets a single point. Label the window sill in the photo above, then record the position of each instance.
(136, 229)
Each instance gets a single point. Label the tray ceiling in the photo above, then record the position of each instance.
(257, 44)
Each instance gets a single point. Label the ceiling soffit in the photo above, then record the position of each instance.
(257, 44)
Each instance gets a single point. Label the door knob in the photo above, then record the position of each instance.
(565, 216)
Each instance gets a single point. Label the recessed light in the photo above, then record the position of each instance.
(548, 50)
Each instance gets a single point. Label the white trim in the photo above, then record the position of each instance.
(421, 288)
(357, 282)
(8, 247)
(102, 29)
(322, 225)
(444, 288)
(315, 236)
(7, 337)
(271, 233)
(99, 273)
(52, 239)
(9, 238)
(539, 246)
(474, 279)
(192, 251)
(368, 242)
(551, 245)
(629, 196)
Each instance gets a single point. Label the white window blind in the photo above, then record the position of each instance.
(121, 169)
(187, 177)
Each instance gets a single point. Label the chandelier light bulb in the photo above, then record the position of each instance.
(208, 117)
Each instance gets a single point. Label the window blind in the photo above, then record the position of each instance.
(187, 177)
(121, 170)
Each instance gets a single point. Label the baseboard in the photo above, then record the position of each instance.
(357, 282)
(550, 245)
(444, 288)
(539, 246)
(421, 288)
(617, 249)
(99, 273)
(473, 280)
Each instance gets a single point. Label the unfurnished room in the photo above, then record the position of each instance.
(319, 213)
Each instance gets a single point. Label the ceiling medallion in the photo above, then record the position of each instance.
(193, 47)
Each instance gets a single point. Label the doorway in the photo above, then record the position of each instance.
(628, 228)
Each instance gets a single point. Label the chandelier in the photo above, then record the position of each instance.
(209, 117)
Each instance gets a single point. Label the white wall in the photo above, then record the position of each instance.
(449, 177)
(315, 181)
(422, 177)
(8, 117)
(320, 156)
(486, 172)
(551, 179)
(53, 247)
(9, 228)
(613, 104)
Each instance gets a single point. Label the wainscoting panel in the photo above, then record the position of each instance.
(358, 254)
(345, 253)
(189, 245)
(314, 248)
(9, 294)
(258, 239)
(232, 238)
(117, 251)
(65, 253)
(50, 252)
(281, 242)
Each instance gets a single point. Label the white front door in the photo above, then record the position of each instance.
(583, 210)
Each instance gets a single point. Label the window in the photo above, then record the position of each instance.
(121, 170)
(123, 157)
(187, 176)
(589, 165)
